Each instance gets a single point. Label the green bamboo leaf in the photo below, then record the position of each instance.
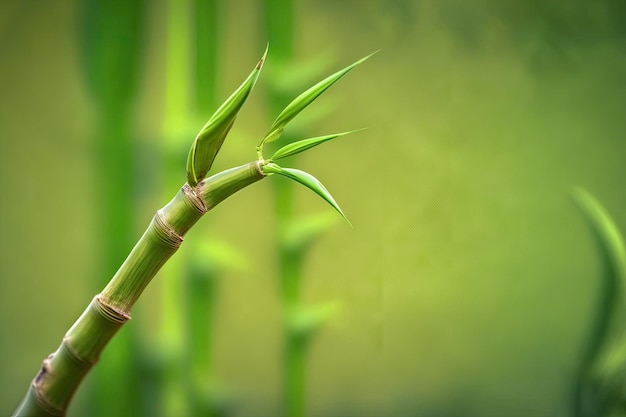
(606, 230)
(303, 100)
(305, 144)
(308, 181)
(210, 139)
(599, 389)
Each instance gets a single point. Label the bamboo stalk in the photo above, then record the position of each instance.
(206, 35)
(295, 358)
(111, 33)
(201, 276)
(279, 22)
(62, 372)
(169, 392)
(200, 297)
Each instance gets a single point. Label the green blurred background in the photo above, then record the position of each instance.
(468, 283)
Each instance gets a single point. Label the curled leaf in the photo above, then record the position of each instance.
(307, 180)
(303, 145)
(605, 228)
(599, 389)
(210, 139)
(303, 100)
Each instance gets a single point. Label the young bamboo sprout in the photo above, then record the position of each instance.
(62, 372)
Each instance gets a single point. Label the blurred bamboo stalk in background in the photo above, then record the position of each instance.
(203, 269)
(191, 86)
(279, 19)
(168, 387)
(111, 35)
(206, 24)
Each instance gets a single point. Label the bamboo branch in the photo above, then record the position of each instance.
(52, 389)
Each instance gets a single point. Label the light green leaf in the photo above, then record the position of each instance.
(303, 100)
(303, 145)
(307, 180)
(606, 230)
(604, 362)
(210, 139)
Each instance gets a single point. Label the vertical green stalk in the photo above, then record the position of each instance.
(295, 373)
(201, 277)
(111, 33)
(279, 26)
(172, 396)
(206, 25)
(192, 54)
(200, 295)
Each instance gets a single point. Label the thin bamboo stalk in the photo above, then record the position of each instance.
(295, 346)
(168, 389)
(279, 23)
(62, 372)
(207, 25)
(201, 276)
(111, 33)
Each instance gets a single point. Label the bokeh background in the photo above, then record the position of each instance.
(469, 281)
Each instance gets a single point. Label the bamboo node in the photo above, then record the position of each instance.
(165, 233)
(109, 312)
(257, 166)
(45, 368)
(39, 388)
(193, 199)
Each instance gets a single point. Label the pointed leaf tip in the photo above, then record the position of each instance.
(262, 60)
(211, 137)
(308, 181)
(303, 100)
(305, 144)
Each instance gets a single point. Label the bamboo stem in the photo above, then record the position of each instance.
(201, 277)
(168, 391)
(279, 23)
(200, 296)
(296, 346)
(206, 25)
(62, 372)
(111, 44)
